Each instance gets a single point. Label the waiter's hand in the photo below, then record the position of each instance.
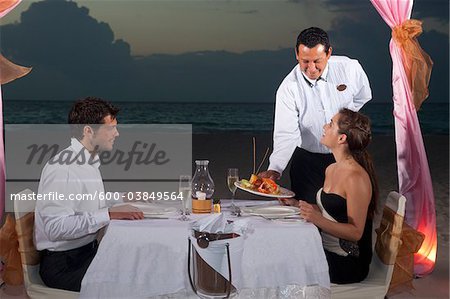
(127, 212)
(271, 174)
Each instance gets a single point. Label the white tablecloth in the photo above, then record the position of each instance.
(141, 259)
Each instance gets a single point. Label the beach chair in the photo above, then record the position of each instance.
(376, 284)
(35, 288)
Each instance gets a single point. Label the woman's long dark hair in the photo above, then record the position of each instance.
(357, 128)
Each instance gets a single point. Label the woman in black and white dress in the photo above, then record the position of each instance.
(346, 203)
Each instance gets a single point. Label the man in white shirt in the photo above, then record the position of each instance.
(310, 95)
(66, 230)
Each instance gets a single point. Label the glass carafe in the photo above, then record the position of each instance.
(202, 188)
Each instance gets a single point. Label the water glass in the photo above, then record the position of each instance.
(232, 177)
(185, 189)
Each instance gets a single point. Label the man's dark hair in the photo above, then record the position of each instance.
(89, 111)
(311, 37)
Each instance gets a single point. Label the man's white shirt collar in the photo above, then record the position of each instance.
(312, 82)
(78, 147)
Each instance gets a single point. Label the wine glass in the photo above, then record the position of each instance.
(185, 190)
(232, 177)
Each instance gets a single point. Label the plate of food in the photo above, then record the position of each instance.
(264, 187)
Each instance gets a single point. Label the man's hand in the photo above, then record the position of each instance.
(271, 174)
(132, 196)
(127, 212)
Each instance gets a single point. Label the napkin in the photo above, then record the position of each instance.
(218, 224)
(214, 223)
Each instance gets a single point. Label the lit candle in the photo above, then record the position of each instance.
(200, 195)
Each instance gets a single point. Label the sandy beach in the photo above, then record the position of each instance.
(226, 150)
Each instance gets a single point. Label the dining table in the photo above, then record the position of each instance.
(281, 258)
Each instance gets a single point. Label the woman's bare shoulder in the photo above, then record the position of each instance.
(330, 168)
(358, 182)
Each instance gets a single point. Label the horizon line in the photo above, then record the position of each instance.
(199, 102)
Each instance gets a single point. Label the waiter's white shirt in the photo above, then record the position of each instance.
(303, 106)
(68, 224)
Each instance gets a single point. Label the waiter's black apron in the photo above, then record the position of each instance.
(308, 173)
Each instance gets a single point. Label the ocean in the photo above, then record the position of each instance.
(214, 117)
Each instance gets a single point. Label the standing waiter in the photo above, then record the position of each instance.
(306, 100)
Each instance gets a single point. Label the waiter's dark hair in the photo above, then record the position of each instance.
(356, 127)
(312, 37)
(89, 111)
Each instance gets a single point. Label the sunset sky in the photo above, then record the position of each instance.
(236, 51)
(196, 25)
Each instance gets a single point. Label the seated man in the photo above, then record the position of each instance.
(66, 230)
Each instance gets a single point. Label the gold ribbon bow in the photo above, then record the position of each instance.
(416, 61)
(12, 273)
(389, 236)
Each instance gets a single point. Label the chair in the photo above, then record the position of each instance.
(377, 282)
(35, 288)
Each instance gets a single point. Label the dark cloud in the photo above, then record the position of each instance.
(74, 55)
(366, 38)
(69, 50)
(346, 5)
(431, 9)
(359, 40)
(437, 46)
(421, 9)
(215, 75)
(248, 12)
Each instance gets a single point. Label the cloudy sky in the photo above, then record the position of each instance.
(175, 27)
(183, 26)
(214, 50)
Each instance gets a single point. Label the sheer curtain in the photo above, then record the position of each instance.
(5, 7)
(413, 171)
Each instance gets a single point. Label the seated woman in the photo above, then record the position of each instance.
(347, 201)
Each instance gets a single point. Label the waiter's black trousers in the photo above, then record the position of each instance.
(65, 269)
(308, 173)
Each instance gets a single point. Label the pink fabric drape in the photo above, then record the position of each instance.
(5, 7)
(2, 160)
(413, 171)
